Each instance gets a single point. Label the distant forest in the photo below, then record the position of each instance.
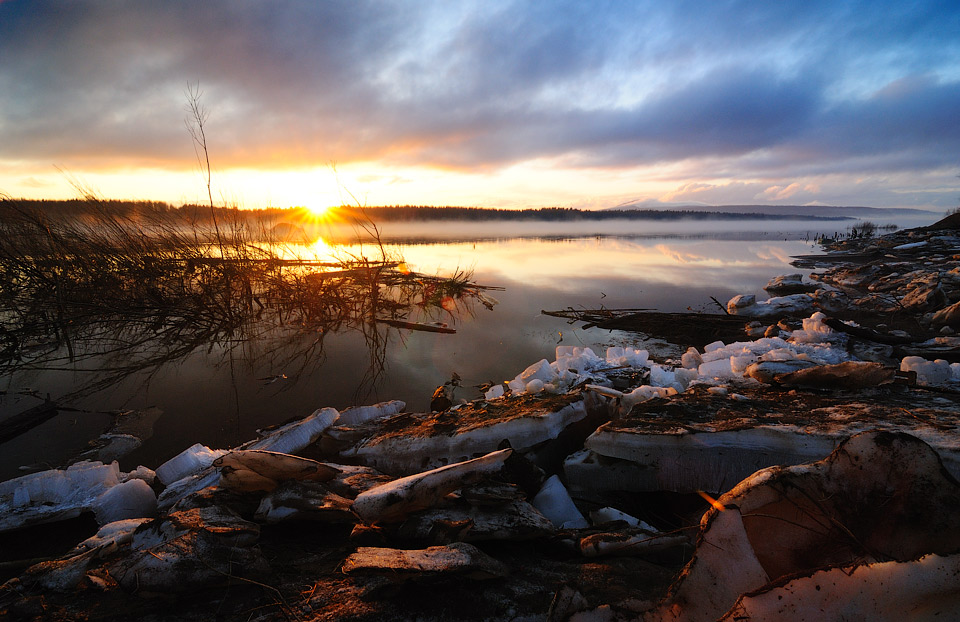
(398, 213)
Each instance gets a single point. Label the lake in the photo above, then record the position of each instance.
(220, 395)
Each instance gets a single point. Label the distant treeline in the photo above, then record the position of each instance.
(427, 212)
(397, 213)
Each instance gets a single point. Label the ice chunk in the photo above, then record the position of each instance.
(715, 345)
(363, 414)
(494, 392)
(393, 501)
(740, 302)
(577, 359)
(555, 503)
(132, 499)
(757, 533)
(191, 460)
(685, 376)
(642, 394)
(661, 376)
(534, 386)
(720, 369)
(298, 435)
(619, 356)
(117, 532)
(540, 370)
(304, 501)
(930, 373)
(813, 331)
(789, 284)
(187, 486)
(526, 427)
(61, 494)
(691, 359)
(779, 305)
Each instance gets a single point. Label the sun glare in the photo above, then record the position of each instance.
(318, 210)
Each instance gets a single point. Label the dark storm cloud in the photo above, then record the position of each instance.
(770, 87)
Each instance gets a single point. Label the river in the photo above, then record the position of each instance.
(220, 398)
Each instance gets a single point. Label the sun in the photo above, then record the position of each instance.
(318, 210)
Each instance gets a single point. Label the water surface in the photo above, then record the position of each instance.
(220, 395)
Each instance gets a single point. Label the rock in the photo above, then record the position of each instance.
(849, 375)
(767, 372)
(459, 520)
(458, 559)
(790, 284)
(948, 317)
(924, 297)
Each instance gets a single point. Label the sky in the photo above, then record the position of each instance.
(484, 103)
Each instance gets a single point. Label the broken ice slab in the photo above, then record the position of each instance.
(459, 558)
(252, 470)
(793, 304)
(188, 550)
(395, 500)
(56, 495)
(191, 460)
(554, 502)
(703, 441)
(922, 589)
(297, 500)
(364, 414)
(410, 443)
(879, 496)
(296, 436)
(931, 373)
(790, 284)
(186, 486)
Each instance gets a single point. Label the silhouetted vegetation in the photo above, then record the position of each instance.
(129, 286)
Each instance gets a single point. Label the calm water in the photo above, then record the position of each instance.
(221, 399)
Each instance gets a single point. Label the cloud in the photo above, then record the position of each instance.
(771, 91)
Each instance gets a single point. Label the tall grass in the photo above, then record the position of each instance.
(123, 292)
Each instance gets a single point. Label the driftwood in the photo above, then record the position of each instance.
(27, 420)
(429, 328)
(683, 329)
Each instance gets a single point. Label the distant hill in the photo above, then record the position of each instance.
(785, 211)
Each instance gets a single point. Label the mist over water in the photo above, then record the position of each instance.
(220, 399)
